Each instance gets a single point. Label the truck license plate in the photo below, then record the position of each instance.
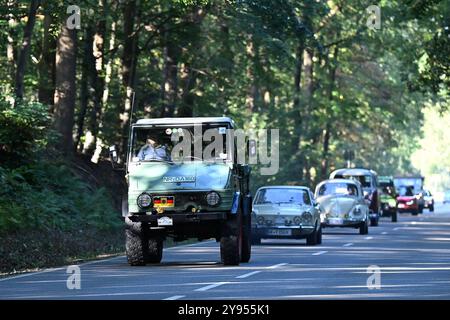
(165, 221)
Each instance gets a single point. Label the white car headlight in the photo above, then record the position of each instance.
(356, 212)
(306, 217)
(260, 220)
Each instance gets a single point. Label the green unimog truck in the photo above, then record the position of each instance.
(181, 187)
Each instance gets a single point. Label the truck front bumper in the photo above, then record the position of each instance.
(179, 218)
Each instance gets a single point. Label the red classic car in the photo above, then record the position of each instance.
(407, 200)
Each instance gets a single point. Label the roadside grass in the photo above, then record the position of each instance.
(34, 251)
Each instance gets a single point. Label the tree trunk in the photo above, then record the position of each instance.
(84, 89)
(109, 65)
(297, 116)
(307, 93)
(11, 54)
(46, 66)
(129, 61)
(325, 150)
(170, 76)
(188, 78)
(65, 91)
(252, 91)
(25, 51)
(97, 82)
(327, 130)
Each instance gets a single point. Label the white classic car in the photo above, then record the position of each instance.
(342, 204)
(285, 212)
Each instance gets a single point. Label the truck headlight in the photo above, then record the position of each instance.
(410, 203)
(213, 198)
(144, 200)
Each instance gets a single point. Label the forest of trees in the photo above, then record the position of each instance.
(333, 84)
(312, 68)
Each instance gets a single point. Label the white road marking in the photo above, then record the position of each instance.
(277, 266)
(395, 229)
(319, 253)
(30, 274)
(247, 275)
(348, 244)
(212, 286)
(369, 238)
(384, 232)
(174, 298)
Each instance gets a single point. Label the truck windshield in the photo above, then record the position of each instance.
(406, 191)
(180, 143)
(364, 180)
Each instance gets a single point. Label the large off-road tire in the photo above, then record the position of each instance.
(229, 250)
(364, 228)
(415, 212)
(231, 241)
(155, 250)
(136, 245)
(246, 250)
(394, 216)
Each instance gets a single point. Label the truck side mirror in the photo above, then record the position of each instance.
(113, 154)
(114, 157)
(252, 148)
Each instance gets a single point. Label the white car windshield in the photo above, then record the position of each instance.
(282, 195)
(344, 189)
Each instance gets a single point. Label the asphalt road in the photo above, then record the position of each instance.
(413, 257)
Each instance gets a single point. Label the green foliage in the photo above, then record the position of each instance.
(24, 129)
(48, 196)
(433, 155)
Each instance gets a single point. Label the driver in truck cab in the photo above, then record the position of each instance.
(152, 150)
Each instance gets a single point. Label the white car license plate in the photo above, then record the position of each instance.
(279, 232)
(165, 221)
(401, 205)
(335, 221)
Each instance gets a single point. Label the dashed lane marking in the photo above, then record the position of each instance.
(277, 266)
(247, 275)
(211, 286)
(174, 298)
(348, 244)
